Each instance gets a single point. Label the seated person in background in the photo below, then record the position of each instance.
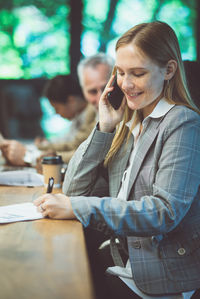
(14, 152)
(65, 95)
(148, 152)
(93, 73)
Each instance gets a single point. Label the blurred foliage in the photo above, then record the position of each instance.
(106, 27)
(35, 39)
(48, 8)
(53, 125)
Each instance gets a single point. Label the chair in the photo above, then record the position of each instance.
(20, 111)
(192, 70)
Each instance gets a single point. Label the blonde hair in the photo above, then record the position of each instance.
(158, 41)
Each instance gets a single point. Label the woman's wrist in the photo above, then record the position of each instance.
(105, 128)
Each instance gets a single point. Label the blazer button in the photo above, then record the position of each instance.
(181, 251)
(137, 244)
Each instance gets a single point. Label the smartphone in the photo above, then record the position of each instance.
(115, 97)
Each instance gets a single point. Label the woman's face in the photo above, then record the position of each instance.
(140, 78)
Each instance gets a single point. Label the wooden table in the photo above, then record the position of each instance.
(42, 258)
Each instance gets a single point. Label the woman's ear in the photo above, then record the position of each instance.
(170, 69)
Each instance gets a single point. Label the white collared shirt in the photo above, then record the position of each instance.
(160, 110)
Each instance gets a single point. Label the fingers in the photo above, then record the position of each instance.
(109, 86)
(42, 208)
(6, 151)
(110, 81)
(41, 204)
(41, 199)
(4, 145)
(13, 151)
(107, 89)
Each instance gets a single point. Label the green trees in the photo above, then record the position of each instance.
(44, 38)
(34, 38)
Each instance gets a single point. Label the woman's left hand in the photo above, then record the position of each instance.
(56, 206)
(108, 116)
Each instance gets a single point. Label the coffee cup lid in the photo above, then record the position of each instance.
(52, 160)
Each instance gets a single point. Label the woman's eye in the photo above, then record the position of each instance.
(139, 75)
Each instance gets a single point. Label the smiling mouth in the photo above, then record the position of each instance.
(135, 94)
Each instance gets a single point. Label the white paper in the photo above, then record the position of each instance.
(19, 212)
(21, 178)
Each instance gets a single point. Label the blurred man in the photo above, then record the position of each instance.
(93, 74)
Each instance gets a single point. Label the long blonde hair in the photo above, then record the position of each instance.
(158, 41)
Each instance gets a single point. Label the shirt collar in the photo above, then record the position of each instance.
(160, 110)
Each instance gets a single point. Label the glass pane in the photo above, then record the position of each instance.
(129, 13)
(52, 124)
(32, 44)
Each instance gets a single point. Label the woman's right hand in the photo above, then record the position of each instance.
(108, 116)
(55, 206)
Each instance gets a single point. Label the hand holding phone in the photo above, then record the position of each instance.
(115, 97)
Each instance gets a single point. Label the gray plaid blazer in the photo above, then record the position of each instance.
(161, 217)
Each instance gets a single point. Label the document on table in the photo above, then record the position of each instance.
(21, 178)
(19, 212)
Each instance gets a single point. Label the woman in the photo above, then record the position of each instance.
(148, 151)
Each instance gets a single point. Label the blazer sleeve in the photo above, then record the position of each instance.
(66, 155)
(85, 170)
(174, 190)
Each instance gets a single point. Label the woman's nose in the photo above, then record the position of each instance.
(127, 83)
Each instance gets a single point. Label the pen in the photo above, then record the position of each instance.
(50, 185)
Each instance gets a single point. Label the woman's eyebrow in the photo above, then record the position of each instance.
(133, 68)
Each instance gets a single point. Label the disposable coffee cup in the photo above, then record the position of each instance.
(51, 167)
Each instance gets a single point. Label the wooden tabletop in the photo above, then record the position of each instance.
(42, 258)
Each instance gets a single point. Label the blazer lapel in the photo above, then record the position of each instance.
(146, 141)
